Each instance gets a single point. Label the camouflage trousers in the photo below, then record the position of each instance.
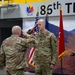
(42, 68)
(18, 72)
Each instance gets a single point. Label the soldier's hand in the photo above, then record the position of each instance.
(29, 31)
(25, 34)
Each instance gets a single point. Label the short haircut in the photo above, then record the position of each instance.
(16, 29)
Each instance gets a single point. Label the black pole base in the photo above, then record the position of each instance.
(59, 74)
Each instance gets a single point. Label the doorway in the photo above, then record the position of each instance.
(5, 27)
(5, 32)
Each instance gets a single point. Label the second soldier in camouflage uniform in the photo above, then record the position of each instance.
(45, 54)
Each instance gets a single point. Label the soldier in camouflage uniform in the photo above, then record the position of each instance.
(12, 53)
(45, 54)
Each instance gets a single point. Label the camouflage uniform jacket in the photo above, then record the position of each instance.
(12, 53)
(46, 48)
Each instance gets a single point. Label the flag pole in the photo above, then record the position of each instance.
(61, 57)
(61, 42)
(61, 67)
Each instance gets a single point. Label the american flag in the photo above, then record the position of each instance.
(32, 50)
(30, 60)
